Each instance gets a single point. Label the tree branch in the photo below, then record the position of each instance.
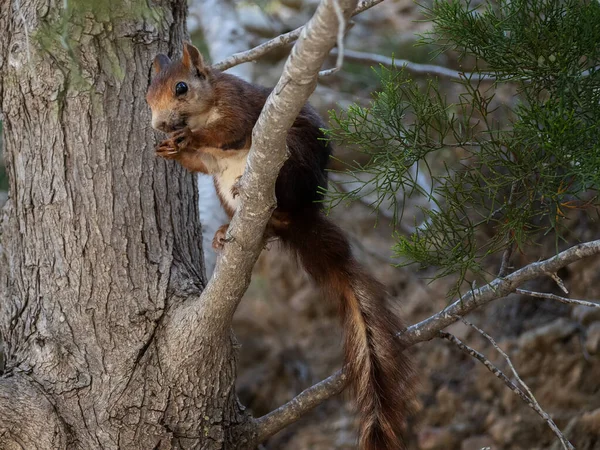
(431, 327)
(498, 288)
(568, 301)
(340, 41)
(527, 398)
(373, 58)
(293, 410)
(280, 41)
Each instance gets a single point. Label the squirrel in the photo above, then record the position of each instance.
(209, 116)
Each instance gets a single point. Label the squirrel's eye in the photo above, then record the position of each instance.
(181, 88)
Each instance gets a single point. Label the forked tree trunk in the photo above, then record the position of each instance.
(100, 243)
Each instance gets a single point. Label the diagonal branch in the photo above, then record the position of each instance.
(558, 298)
(498, 288)
(308, 399)
(280, 41)
(431, 327)
(527, 398)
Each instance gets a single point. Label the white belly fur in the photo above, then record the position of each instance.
(229, 169)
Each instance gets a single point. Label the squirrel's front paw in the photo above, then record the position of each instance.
(235, 188)
(183, 139)
(220, 238)
(168, 149)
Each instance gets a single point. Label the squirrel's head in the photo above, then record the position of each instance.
(181, 92)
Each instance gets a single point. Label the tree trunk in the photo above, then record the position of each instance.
(100, 243)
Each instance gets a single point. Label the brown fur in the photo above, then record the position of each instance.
(380, 373)
(215, 122)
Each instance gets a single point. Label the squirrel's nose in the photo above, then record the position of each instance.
(160, 125)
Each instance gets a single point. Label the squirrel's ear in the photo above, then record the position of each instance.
(192, 58)
(160, 62)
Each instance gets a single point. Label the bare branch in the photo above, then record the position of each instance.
(373, 58)
(559, 282)
(504, 355)
(279, 41)
(499, 288)
(529, 399)
(340, 42)
(568, 301)
(293, 410)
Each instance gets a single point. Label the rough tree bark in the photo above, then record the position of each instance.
(100, 243)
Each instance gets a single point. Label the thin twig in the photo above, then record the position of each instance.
(559, 282)
(279, 41)
(529, 399)
(340, 41)
(504, 355)
(373, 58)
(504, 265)
(566, 444)
(568, 301)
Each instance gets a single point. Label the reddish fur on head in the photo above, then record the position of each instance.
(170, 111)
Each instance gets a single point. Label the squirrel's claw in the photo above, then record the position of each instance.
(235, 188)
(167, 149)
(220, 238)
(182, 138)
(179, 140)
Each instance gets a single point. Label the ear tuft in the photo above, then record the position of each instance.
(160, 62)
(192, 58)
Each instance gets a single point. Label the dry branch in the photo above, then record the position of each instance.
(498, 288)
(431, 327)
(527, 398)
(373, 58)
(308, 399)
(279, 41)
(568, 301)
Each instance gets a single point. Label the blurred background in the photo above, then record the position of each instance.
(290, 337)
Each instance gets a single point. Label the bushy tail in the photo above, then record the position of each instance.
(380, 374)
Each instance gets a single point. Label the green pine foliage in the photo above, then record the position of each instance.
(516, 171)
